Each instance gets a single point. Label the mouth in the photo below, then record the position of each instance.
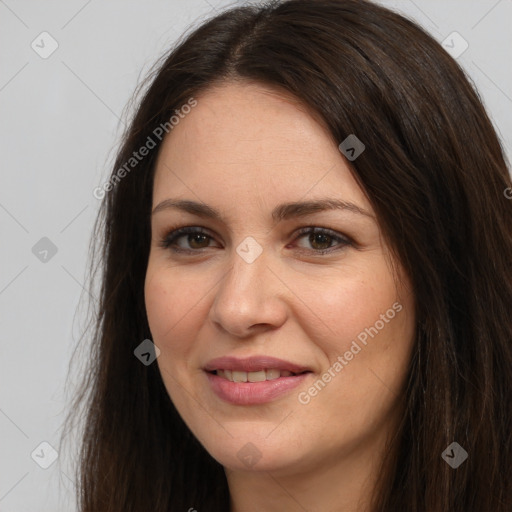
(256, 376)
(255, 380)
(255, 364)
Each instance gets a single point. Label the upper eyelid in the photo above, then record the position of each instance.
(299, 231)
(172, 234)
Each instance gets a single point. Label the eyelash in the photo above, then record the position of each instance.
(168, 241)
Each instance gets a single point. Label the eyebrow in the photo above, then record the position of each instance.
(279, 213)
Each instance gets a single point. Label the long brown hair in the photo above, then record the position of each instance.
(435, 173)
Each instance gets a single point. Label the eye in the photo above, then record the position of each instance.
(321, 239)
(190, 239)
(195, 237)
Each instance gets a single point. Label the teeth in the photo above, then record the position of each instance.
(273, 373)
(259, 376)
(256, 376)
(239, 376)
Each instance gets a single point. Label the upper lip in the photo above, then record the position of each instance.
(253, 364)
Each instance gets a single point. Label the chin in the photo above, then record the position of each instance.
(254, 452)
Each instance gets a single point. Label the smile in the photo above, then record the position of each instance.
(254, 380)
(260, 376)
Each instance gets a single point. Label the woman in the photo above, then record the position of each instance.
(306, 246)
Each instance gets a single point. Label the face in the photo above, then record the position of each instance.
(301, 301)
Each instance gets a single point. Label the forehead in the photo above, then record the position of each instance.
(246, 141)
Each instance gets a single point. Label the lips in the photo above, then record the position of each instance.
(255, 380)
(254, 364)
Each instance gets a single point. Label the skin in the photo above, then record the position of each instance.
(244, 149)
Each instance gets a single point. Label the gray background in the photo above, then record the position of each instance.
(60, 123)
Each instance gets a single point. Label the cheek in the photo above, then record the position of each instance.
(370, 323)
(160, 304)
(171, 307)
(340, 307)
(174, 308)
(374, 333)
(367, 380)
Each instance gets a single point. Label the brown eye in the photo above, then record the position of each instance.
(321, 240)
(191, 239)
(196, 241)
(195, 238)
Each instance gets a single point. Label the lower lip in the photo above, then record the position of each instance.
(253, 393)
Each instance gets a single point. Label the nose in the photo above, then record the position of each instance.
(250, 298)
